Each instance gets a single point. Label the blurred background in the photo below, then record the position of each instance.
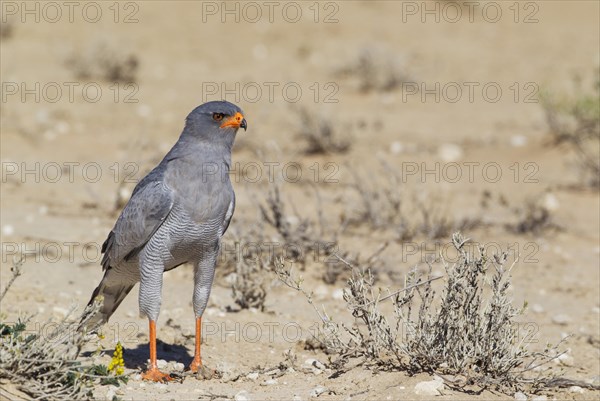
(371, 123)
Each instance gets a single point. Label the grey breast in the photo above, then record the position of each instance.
(180, 239)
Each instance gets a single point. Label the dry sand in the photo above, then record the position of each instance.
(183, 50)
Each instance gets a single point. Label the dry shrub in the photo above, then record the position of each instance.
(337, 267)
(105, 60)
(248, 279)
(383, 206)
(319, 134)
(533, 217)
(7, 28)
(466, 333)
(300, 236)
(575, 122)
(375, 69)
(250, 254)
(45, 365)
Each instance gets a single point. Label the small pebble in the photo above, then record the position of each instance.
(269, 382)
(430, 388)
(519, 396)
(566, 360)
(317, 391)
(518, 141)
(271, 372)
(551, 202)
(540, 398)
(396, 147)
(576, 389)
(161, 363)
(242, 396)
(561, 319)
(111, 393)
(321, 292)
(252, 376)
(314, 363)
(537, 308)
(7, 229)
(450, 152)
(178, 367)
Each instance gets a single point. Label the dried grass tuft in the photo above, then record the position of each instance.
(466, 334)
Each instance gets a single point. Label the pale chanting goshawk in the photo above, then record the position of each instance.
(177, 214)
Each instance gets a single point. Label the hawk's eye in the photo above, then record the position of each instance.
(218, 116)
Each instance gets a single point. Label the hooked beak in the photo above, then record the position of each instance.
(236, 121)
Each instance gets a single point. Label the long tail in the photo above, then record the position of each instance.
(110, 293)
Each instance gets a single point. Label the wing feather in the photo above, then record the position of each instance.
(149, 206)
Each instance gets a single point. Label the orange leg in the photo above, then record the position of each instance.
(153, 374)
(197, 362)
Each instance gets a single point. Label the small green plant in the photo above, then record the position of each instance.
(45, 364)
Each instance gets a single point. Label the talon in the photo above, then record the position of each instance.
(155, 375)
(195, 365)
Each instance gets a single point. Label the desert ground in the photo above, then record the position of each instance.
(437, 104)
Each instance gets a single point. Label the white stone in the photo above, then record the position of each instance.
(110, 393)
(519, 396)
(551, 202)
(178, 367)
(566, 360)
(311, 362)
(430, 388)
(396, 147)
(540, 398)
(7, 229)
(518, 141)
(317, 391)
(338, 294)
(161, 363)
(269, 382)
(252, 376)
(124, 194)
(321, 292)
(63, 127)
(271, 372)
(242, 396)
(561, 319)
(576, 389)
(537, 308)
(450, 152)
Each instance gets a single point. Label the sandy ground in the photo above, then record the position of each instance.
(62, 210)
